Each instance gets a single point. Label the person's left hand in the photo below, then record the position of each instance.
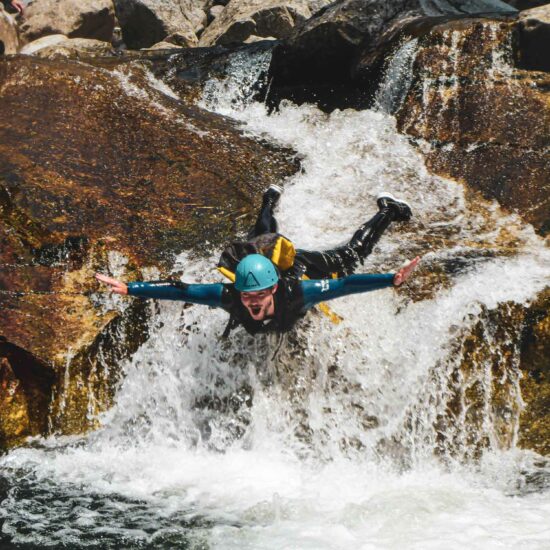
(115, 285)
(405, 272)
(19, 6)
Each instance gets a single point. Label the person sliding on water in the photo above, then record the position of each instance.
(274, 284)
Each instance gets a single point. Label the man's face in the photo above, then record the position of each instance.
(260, 304)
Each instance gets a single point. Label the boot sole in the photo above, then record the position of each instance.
(276, 188)
(384, 195)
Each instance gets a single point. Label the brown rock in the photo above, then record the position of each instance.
(324, 61)
(44, 42)
(101, 171)
(533, 39)
(317, 5)
(147, 22)
(253, 38)
(74, 18)
(183, 39)
(9, 39)
(534, 430)
(497, 385)
(68, 48)
(164, 46)
(214, 11)
(485, 122)
(242, 18)
(25, 390)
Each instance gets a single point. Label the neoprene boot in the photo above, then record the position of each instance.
(401, 210)
(271, 196)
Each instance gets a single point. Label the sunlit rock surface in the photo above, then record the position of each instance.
(9, 39)
(164, 46)
(146, 22)
(480, 120)
(104, 171)
(44, 42)
(242, 18)
(59, 46)
(74, 18)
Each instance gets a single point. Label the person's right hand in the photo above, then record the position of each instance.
(19, 6)
(116, 286)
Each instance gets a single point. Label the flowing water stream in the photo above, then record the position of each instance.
(333, 437)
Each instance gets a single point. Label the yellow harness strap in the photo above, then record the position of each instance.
(226, 273)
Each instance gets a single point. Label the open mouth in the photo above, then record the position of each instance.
(255, 309)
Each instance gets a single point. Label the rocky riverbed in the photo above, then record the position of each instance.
(109, 162)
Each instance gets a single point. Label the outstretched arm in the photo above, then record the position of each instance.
(209, 295)
(316, 291)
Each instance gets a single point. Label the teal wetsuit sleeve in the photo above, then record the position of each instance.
(208, 295)
(316, 291)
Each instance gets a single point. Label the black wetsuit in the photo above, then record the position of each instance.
(294, 297)
(342, 260)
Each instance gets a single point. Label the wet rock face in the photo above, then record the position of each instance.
(160, 168)
(482, 121)
(25, 387)
(241, 19)
(483, 394)
(99, 171)
(9, 39)
(534, 430)
(493, 390)
(74, 18)
(335, 57)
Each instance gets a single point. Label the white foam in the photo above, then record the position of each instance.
(277, 452)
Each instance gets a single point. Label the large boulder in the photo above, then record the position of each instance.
(533, 39)
(243, 18)
(101, 171)
(321, 55)
(73, 18)
(481, 120)
(9, 39)
(147, 22)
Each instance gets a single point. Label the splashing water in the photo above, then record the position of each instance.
(397, 78)
(330, 443)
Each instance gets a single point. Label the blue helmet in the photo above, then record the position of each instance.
(255, 272)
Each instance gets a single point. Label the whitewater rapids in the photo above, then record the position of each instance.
(292, 449)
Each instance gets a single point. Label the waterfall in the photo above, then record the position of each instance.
(339, 436)
(397, 78)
